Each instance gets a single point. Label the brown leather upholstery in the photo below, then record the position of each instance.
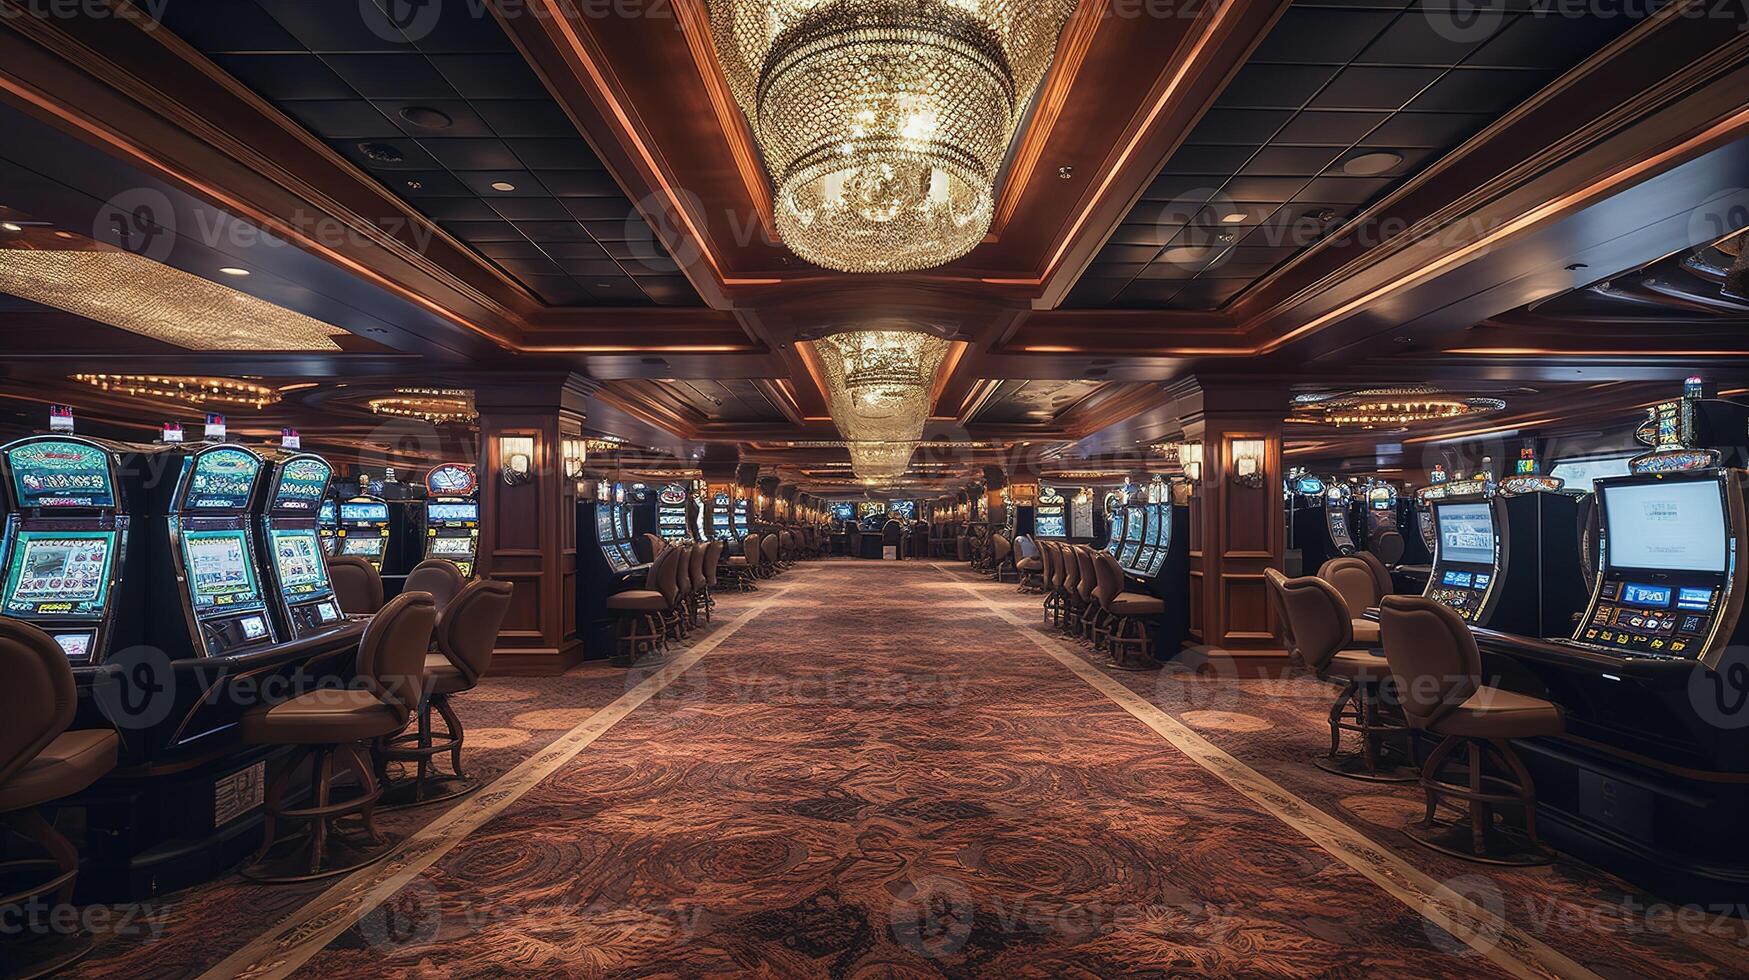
(437, 578)
(768, 549)
(1319, 620)
(713, 556)
(467, 631)
(1089, 579)
(1107, 577)
(357, 584)
(1136, 604)
(1492, 712)
(40, 760)
(1354, 581)
(1433, 655)
(682, 569)
(1071, 579)
(1388, 546)
(1274, 580)
(1381, 576)
(391, 676)
(695, 568)
(1002, 548)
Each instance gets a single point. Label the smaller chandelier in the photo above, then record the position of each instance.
(184, 389)
(880, 386)
(435, 405)
(1391, 408)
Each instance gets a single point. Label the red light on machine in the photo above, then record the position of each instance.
(60, 418)
(215, 427)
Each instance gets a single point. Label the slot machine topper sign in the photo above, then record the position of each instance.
(452, 480)
(1526, 479)
(1669, 428)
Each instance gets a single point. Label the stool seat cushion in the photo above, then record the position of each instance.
(1358, 665)
(1366, 631)
(1495, 713)
(637, 600)
(322, 717)
(736, 560)
(443, 677)
(1029, 564)
(73, 761)
(1136, 604)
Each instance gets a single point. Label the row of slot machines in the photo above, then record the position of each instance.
(395, 535)
(1151, 542)
(609, 530)
(729, 516)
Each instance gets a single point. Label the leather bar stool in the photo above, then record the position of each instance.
(674, 617)
(329, 726)
(1085, 583)
(768, 556)
(437, 578)
(1439, 679)
(467, 630)
(700, 589)
(1001, 556)
(1071, 587)
(741, 567)
(1273, 584)
(648, 546)
(1318, 618)
(41, 762)
(1053, 581)
(357, 584)
(1127, 637)
(1028, 563)
(713, 554)
(1388, 546)
(642, 612)
(1359, 587)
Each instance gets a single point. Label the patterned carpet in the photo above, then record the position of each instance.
(872, 770)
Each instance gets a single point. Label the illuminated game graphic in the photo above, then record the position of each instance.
(219, 571)
(303, 569)
(451, 480)
(364, 511)
(62, 573)
(223, 479)
(1049, 520)
(1677, 525)
(453, 512)
(370, 546)
(452, 548)
(61, 474)
(302, 482)
(1466, 533)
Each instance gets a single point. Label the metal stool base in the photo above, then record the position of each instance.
(1501, 846)
(1353, 766)
(346, 850)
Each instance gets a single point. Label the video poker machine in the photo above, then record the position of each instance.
(607, 563)
(721, 527)
(364, 529)
(1159, 565)
(1509, 562)
(290, 537)
(1051, 517)
(1317, 522)
(328, 524)
(673, 517)
(452, 515)
(1380, 503)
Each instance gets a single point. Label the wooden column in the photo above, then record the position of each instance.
(528, 533)
(1236, 527)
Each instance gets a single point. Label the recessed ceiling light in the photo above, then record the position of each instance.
(426, 117)
(231, 270)
(65, 234)
(1372, 164)
(1234, 218)
(503, 185)
(1185, 253)
(9, 226)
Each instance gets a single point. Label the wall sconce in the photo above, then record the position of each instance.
(576, 453)
(1190, 458)
(516, 459)
(1248, 462)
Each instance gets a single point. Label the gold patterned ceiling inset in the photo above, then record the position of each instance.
(1390, 408)
(880, 386)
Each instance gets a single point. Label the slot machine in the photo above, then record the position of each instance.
(606, 563)
(364, 529)
(1135, 529)
(672, 502)
(721, 527)
(1160, 564)
(741, 516)
(452, 515)
(290, 537)
(217, 565)
(1050, 519)
(1510, 562)
(328, 525)
(1381, 511)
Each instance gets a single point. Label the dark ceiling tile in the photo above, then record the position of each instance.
(1433, 37)
(342, 120)
(1145, 293)
(462, 121)
(1126, 253)
(581, 183)
(560, 291)
(279, 77)
(431, 183)
(525, 117)
(616, 292)
(529, 208)
(525, 268)
(522, 183)
(336, 25)
(1091, 293)
(458, 28)
(1288, 161)
(1548, 40)
(541, 232)
(1315, 127)
(456, 209)
(1143, 234)
(585, 268)
(1208, 293)
(1235, 214)
(1375, 88)
(669, 290)
(648, 263)
(391, 76)
(1211, 160)
(473, 154)
(512, 250)
(1491, 90)
(227, 25)
(1344, 190)
(605, 209)
(1181, 187)
(1263, 188)
(576, 250)
(1267, 254)
(1246, 127)
(1431, 129)
(1298, 225)
(555, 154)
(490, 76)
(1316, 35)
(630, 251)
(1259, 86)
(1203, 236)
(386, 154)
(484, 231)
(1182, 262)
(1413, 159)
(1117, 270)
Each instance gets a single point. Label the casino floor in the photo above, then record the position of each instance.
(895, 769)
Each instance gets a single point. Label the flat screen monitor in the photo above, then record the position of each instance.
(368, 545)
(328, 514)
(364, 511)
(303, 568)
(1674, 525)
(222, 479)
(61, 474)
(1466, 532)
(459, 513)
(1049, 524)
(60, 574)
(604, 529)
(844, 512)
(1135, 526)
(1157, 525)
(302, 483)
(451, 547)
(220, 573)
(1115, 540)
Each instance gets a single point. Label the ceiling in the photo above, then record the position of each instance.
(1334, 196)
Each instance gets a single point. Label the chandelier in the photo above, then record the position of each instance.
(884, 122)
(434, 405)
(1390, 407)
(184, 389)
(880, 387)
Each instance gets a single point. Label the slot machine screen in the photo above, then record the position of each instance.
(452, 547)
(604, 530)
(219, 571)
(302, 482)
(1116, 534)
(1466, 533)
(844, 512)
(1673, 525)
(60, 574)
(368, 545)
(329, 514)
(630, 556)
(364, 511)
(452, 513)
(61, 474)
(303, 569)
(906, 509)
(222, 479)
(615, 559)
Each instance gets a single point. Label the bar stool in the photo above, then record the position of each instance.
(646, 608)
(1071, 588)
(1085, 583)
(1319, 621)
(41, 762)
(1439, 676)
(328, 725)
(741, 567)
(695, 597)
(467, 630)
(1053, 581)
(1360, 590)
(768, 556)
(1028, 563)
(357, 584)
(438, 578)
(1273, 584)
(1001, 555)
(713, 553)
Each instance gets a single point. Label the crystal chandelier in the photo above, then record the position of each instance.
(880, 386)
(1391, 407)
(884, 122)
(185, 389)
(435, 405)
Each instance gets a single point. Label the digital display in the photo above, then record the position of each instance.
(370, 545)
(223, 479)
(672, 495)
(1383, 503)
(61, 574)
(61, 474)
(1671, 524)
(219, 571)
(1458, 579)
(604, 524)
(451, 480)
(364, 511)
(462, 513)
(1646, 596)
(1134, 526)
(452, 547)
(1157, 526)
(1050, 525)
(630, 556)
(328, 514)
(303, 568)
(1696, 599)
(903, 508)
(1482, 580)
(843, 512)
(615, 559)
(77, 646)
(302, 482)
(254, 627)
(328, 612)
(1466, 533)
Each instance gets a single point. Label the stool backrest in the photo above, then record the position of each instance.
(1071, 577)
(768, 549)
(1354, 581)
(1388, 546)
(664, 575)
(38, 698)
(650, 545)
(467, 628)
(391, 657)
(1026, 546)
(1002, 548)
(682, 568)
(1274, 579)
(1433, 657)
(1108, 578)
(713, 555)
(438, 577)
(1089, 579)
(1047, 556)
(1381, 575)
(1318, 617)
(357, 584)
(696, 568)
